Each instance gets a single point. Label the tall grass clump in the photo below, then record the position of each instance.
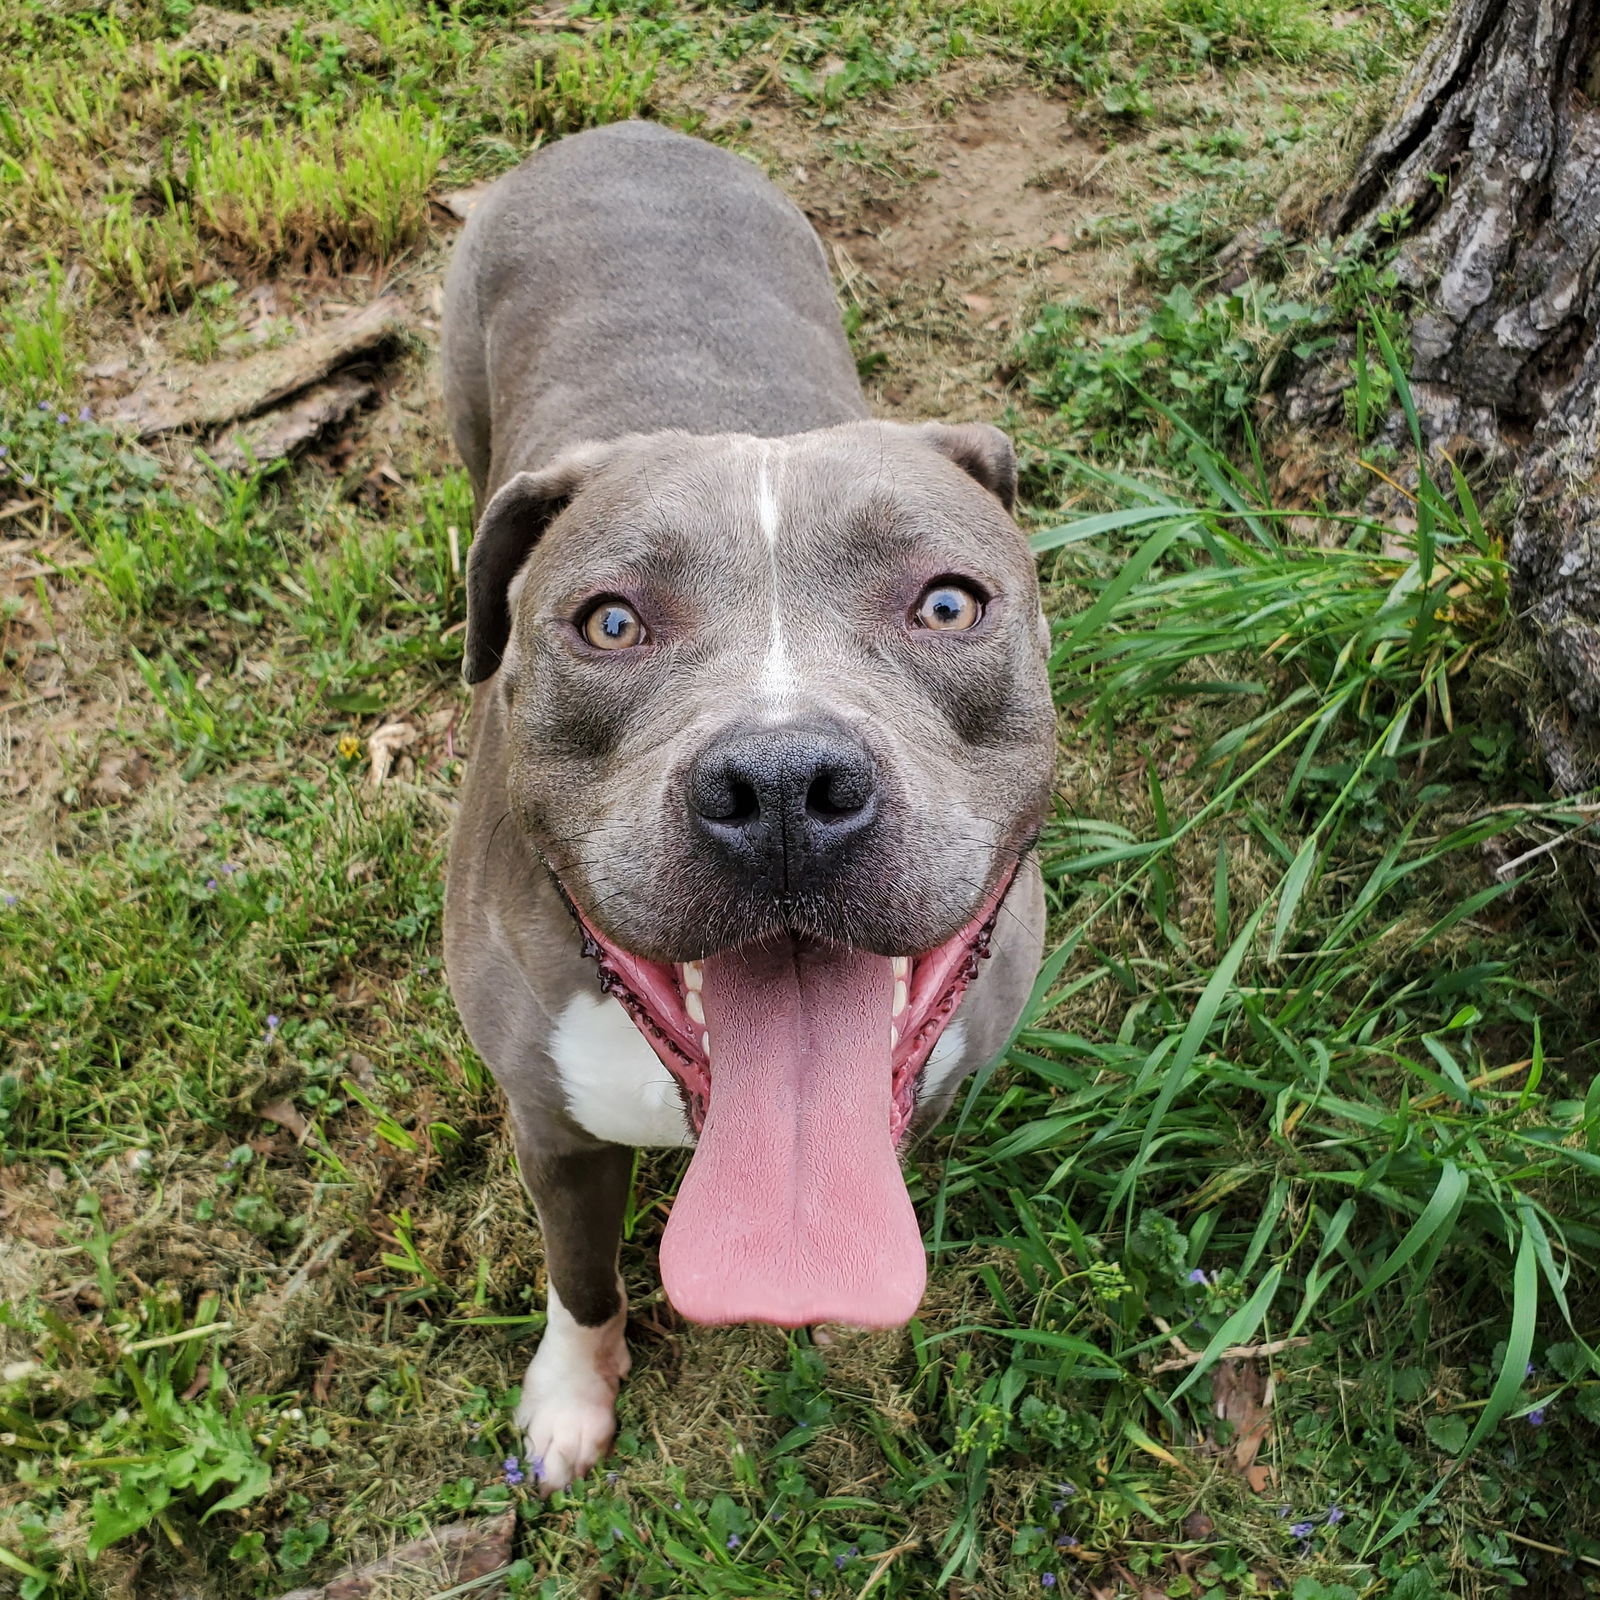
(37, 361)
(1228, 30)
(563, 86)
(345, 187)
(1319, 1105)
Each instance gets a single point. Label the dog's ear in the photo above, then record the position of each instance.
(982, 452)
(512, 523)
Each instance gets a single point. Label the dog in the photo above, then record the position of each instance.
(761, 743)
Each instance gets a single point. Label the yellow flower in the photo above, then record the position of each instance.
(349, 747)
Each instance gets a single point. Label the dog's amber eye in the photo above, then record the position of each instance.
(613, 625)
(948, 608)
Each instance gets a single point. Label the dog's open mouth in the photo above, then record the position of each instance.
(800, 1064)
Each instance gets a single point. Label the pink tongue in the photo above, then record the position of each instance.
(793, 1209)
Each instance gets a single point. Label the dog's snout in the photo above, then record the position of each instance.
(785, 804)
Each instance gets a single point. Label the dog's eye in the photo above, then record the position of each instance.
(948, 608)
(613, 625)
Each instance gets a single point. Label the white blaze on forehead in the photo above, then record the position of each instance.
(777, 675)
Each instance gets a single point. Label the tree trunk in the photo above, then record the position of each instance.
(1489, 174)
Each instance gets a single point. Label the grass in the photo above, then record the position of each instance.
(1309, 1069)
(348, 185)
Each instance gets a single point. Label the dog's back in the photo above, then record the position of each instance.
(632, 279)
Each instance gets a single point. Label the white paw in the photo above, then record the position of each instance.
(568, 1411)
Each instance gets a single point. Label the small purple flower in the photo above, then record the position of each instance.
(1529, 1370)
(1536, 1418)
(1335, 1516)
(1283, 1511)
(5, 450)
(10, 900)
(1067, 1541)
(734, 1541)
(1047, 1579)
(1068, 1489)
(273, 1019)
(85, 414)
(1055, 1507)
(211, 884)
(838, 1563)
(538, 1468)
(44, 405)
(514, 1472)
(1198, 1277)
(229, 868)
(61, 416)
(1302, 1530)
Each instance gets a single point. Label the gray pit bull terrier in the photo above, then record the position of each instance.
(761, 743)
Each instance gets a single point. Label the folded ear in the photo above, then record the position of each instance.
(983, 452)
(512, 523)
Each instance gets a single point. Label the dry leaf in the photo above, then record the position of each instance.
(120, 776)
(448, 1556)
(1242, 1395)
(285, 1114)
(462, 202)
(384, 745)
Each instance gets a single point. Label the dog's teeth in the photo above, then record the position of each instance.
(894, 1036)
(900, 996)
(693, 1005)
(693, 975)
(902, 966)
(705, 1044)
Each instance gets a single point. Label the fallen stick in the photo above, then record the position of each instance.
(184, 396)
(884, 1562)
(1238, 1352)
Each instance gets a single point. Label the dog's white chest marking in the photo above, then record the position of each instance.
(615, 1087)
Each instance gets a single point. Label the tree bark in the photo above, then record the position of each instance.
(1488, 172)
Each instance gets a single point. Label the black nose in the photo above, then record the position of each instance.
(784, 804)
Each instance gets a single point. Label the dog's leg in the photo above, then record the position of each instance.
(568, 1410)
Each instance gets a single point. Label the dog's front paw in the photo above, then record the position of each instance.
(565, 1433)
(568, 1411)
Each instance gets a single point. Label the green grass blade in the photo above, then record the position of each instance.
(1105, 522)
(1200, 1025)
(1439, 1213)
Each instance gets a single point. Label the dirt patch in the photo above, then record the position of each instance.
(949, 215)
(1010, 177)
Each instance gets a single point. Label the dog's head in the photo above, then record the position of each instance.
(778, 721)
